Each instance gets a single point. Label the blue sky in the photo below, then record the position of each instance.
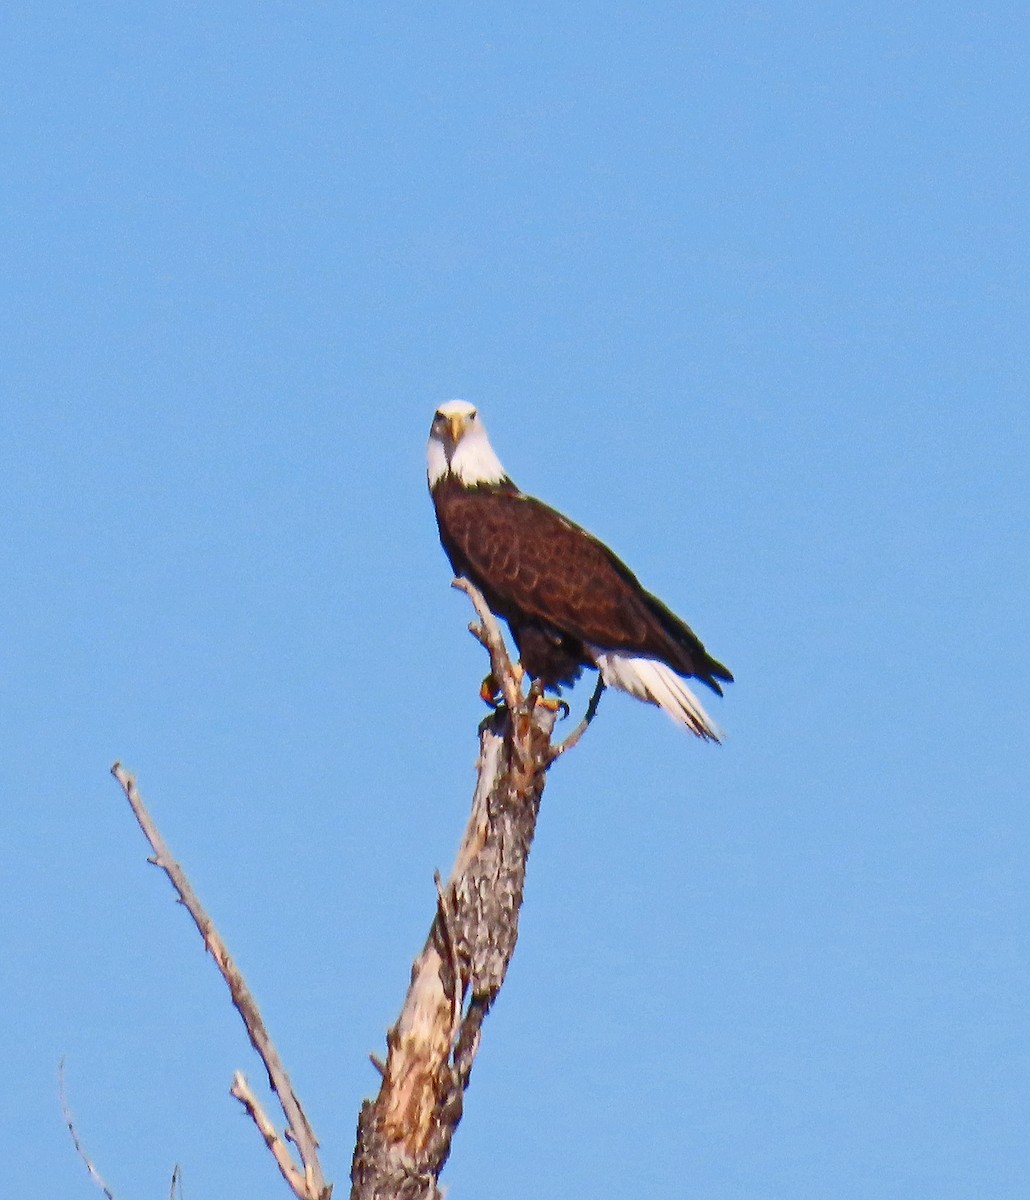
(742, 288)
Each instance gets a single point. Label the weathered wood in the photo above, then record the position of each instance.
(404, 1135)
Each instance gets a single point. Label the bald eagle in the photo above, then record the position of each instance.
(569, 602)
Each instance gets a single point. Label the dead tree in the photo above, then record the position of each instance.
(404, 1135)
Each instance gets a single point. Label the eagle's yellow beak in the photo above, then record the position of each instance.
(456, 426)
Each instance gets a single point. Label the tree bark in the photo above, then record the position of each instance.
(405, 1133)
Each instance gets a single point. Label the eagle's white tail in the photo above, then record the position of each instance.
(653, 681)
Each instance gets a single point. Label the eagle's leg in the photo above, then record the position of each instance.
(536, 696)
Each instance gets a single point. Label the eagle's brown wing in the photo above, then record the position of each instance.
(529, 558)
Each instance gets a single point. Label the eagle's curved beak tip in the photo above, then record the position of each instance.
(456, 427)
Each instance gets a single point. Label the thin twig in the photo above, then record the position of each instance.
(566, 745)
(280, 1151)
(299, 1131)
(489, 634)
(69, 1121)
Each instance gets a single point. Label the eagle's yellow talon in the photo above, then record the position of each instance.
(537, 697)
(489, 692)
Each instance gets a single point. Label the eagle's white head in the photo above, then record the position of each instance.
(458, 446)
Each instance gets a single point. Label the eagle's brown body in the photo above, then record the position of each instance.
(558, 587)
(570, 603)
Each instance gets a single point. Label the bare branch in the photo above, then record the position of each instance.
(573, 738)
(488, 633)
(69, 1121)
(311, 1181)
(280, 1151)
